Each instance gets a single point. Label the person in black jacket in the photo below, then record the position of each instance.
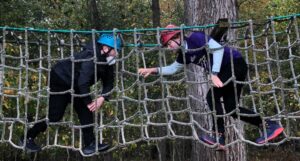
(84, 77)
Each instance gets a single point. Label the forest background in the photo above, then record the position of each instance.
(102, 15)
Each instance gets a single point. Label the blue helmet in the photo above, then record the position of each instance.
(108, 39)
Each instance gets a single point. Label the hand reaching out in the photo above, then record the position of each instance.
(96, 104)
(216, 81)
(147, 71)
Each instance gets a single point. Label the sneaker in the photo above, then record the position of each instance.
(211, 140)
(90, 149)
(273, 130)
(30, 145)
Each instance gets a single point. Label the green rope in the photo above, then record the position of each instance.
(137, 30)
(102, 31)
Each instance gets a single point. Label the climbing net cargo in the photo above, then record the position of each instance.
(161, 107)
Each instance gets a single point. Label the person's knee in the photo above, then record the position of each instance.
(229, 107)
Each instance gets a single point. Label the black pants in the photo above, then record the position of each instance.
(228, 94)
(57, 107)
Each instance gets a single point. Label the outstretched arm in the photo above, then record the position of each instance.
(167, 70)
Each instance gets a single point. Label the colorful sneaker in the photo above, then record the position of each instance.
(30, 145)
(273, 130)
(211, 140)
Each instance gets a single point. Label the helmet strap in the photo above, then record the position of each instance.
(106, 53)
(178, 43)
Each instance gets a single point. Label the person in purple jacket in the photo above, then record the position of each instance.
(220, 71)
(85, 73)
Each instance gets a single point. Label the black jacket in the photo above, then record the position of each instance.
(84, 74)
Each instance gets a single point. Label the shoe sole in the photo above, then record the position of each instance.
(104, 148)
(220, 147)
(273, 136)
(208, 142)
(27, 149)
(32, 151)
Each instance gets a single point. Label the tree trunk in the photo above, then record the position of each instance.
(155, 13)
(94, 17)
(202, 12)
(161, 148)
(209, 11)
(160, 145)
(1, 68)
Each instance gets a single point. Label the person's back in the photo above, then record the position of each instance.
(199, 39)
(64, 68)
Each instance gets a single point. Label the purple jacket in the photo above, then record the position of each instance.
(198, 40)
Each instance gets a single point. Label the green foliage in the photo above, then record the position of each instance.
(261, 9)
(72, 14)
(125, 14)
(172, 11)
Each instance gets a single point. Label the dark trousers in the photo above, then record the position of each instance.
(228, 94)
(57, 107)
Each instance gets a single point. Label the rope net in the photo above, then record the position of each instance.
(156, 108)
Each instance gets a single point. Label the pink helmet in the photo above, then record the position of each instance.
(167, 35)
